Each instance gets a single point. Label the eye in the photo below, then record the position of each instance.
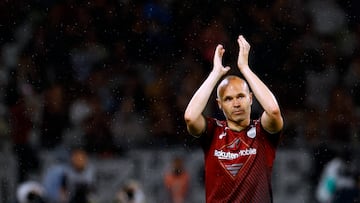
(240, 96)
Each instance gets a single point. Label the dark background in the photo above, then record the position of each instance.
(116, 75)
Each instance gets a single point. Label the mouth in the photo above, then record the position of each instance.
(238, 112)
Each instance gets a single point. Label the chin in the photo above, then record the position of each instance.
(237, 120)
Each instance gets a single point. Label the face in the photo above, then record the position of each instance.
(79, 159)
(235, 99)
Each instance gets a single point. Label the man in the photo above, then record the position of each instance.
(239, 152)
(79, 176)
(177, 182)
(70, 182)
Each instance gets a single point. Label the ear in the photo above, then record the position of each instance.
(251, 98)
(219, 103)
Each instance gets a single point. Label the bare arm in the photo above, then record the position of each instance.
(194, 119)
(271, 119)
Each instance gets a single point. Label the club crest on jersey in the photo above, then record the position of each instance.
(252, 132)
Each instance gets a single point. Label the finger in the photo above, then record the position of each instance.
(219, 47)
(245, 43)
(227, 68)
(241, 42)
(219, 50)
(222, 51)
(240, 38)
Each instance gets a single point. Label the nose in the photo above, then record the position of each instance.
(237, 102)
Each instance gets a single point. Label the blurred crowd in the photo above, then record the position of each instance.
(111, 75)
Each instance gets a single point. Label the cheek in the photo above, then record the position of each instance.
(247, 102)
(248, 107)
(227, 110)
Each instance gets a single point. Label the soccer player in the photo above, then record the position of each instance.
(239, 152)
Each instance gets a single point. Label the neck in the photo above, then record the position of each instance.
(238, 126)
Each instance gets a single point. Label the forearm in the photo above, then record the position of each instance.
(271, 119)
(201, 97)
(261, 92)
(194, 119)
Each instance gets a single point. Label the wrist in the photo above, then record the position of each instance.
(243, 67)
(216, 73)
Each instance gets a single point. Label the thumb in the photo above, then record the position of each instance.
(227, 68)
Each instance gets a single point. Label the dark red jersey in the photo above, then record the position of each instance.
(238, 165)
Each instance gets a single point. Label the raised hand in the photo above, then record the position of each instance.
(218, 66)
(244, 48)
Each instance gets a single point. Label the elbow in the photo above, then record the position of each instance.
(276, 115)
(275, 111)
(191, 118)
(195, 124)
(188, 117)
(273, 121)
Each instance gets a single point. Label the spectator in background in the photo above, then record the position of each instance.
(322, 75)
(54, 118)
(209, 37)
(326, 23)
(161, 121)
(98, 139)
(71, 182)
(54, 185)
(87, 55)
(352, 79)
(21, 125)
(335, 176)
(79, 177)
(20, 131)
(341, 118)
(79, 111)
(130, 192)
(30, 192)
(350, 194)
(176, 182)
(128, 127)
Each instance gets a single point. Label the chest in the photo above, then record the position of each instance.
(234, 151)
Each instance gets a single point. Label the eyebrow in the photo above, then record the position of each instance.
(227, 97)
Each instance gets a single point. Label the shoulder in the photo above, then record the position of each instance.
(212, 124)
(274, 138)
(213, 127)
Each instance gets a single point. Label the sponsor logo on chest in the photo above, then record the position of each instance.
(220, 154)
(235, 154)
